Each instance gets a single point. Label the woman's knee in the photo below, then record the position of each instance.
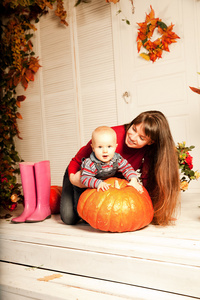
(67, 213)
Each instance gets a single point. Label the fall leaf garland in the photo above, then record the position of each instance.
(145, 33)
(18, 65)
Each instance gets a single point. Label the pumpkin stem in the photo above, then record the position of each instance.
(116, 185)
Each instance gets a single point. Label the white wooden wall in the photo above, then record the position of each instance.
(87, 66)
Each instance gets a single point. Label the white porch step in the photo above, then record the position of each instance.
(153, 263)
(21, 282)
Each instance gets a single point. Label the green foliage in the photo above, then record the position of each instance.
(162, 25)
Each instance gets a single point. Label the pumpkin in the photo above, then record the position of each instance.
(119, 209)
(55, 195)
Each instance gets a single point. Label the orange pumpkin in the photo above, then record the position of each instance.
(118, 209)
(55, 195)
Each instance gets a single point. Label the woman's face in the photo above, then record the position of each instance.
(136, 138)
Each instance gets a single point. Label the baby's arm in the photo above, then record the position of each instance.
(88, 172)
(130, 174)
(103, 186)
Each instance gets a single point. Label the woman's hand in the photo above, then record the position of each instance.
(134, 183)
(75, 179)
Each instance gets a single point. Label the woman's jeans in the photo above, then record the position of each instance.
(69, 201)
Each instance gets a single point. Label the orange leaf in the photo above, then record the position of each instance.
(34, 65)
(195, 90)
(29, 75)
(19, 116)
(24, 82)
(165, 45)
(150, 16)
(154, 22)
(21, 98)
(142, 24)
(142, 36)
(64, 22)
(139, 45)
(16, 79)
(153, 57)
(19, 135)
(35, 68)
(23, 71)
(50, 277)
(48, 4)
(30, 45)
(18, 104)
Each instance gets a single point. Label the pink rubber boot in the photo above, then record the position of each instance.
(28, 184)
(43, 187)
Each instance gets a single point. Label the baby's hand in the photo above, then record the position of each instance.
(103, 186)
(134, 183)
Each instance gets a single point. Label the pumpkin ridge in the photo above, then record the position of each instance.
(97, 213)
(136, 210)
(91, 216)
(142, 203)
(101, 227)
(131, 203)
(84, 205)
(111, 212)
(129, 195)
(130, 212)
(143, 209)
(118, 226)
(149, 207)
(144, 206)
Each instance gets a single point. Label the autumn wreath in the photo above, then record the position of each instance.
(145, 32)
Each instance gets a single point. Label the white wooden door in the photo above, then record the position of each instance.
(95, 73)
(164, 84)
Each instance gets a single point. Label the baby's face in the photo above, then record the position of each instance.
(104, 146)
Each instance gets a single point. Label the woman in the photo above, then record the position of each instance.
(147, 144)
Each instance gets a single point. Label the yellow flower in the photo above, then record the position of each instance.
(182, 145)
(14, 198)
(184, 185)
(197, 174)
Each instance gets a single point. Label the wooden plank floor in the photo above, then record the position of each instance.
(152, 263)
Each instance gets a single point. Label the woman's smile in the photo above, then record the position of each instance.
(136, 138)
(132, 142)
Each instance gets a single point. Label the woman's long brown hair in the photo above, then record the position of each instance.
(163, 179)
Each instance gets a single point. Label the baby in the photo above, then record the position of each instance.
(104, 162)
